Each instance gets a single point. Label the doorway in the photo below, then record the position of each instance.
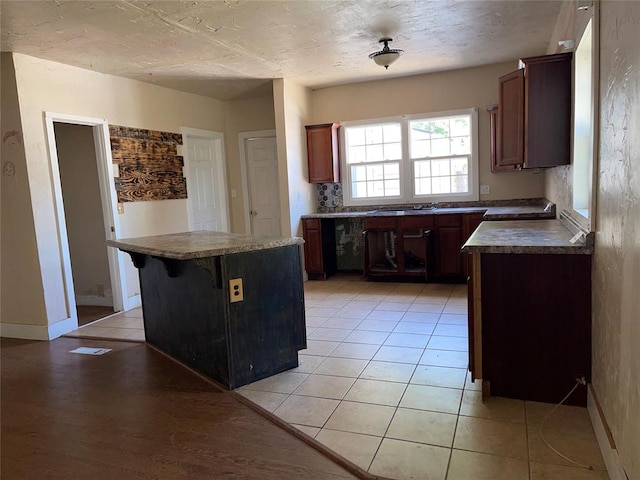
(259, 154)
(206, 180)
(85, 163)
(78, 165)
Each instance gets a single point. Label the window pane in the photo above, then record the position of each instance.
(376, 189)
(419, 130)
(440, 168)
(375, 153)
(423, 186)
(439, 128)
(359, 173)
(392, 151)
(374, 134)
(392, 133)
(375, 172)
(355, 136)
(460, 145)
(460, 183)
(359, 189)
(459, 166)
(461, 126)
(421, 149)
(357, 155)
(423, 168)
(440, 147)
(392, 187)
(441, 185)
(391, 170)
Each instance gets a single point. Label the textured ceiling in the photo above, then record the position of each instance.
(229, 49)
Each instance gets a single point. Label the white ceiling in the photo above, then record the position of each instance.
(228, 49)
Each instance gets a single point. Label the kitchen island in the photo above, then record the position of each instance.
(229, 306)
(530, 309)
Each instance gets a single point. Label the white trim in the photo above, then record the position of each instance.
(407, 164)
(38, 332)
(218, 137)
(242, 138)
(610, 455)
(109, 210)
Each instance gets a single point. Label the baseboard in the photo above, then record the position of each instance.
(604, 437)
(38, 332)
(94, 300)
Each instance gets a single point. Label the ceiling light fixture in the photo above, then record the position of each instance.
(386, 56)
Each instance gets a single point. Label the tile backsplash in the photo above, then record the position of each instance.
(329, 195)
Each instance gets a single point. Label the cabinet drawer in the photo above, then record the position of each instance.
(311, 223)
(380, 222)
(449, 220)
(416, 221)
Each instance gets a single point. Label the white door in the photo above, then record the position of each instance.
(206, 183)
(264, 199)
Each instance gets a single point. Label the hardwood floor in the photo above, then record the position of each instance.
(91, 313)
(134, 414)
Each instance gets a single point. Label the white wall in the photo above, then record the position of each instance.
(19, 254)
(434, 92)
(292, 112)
(44, 86)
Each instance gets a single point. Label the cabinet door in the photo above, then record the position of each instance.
(312, 246)
(547, 140)
(510, 122)
(493, 141)
(322, 153)
(449, 245)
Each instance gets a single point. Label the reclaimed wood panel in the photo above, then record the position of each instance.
(149, 165)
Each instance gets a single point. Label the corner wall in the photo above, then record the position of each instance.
(21, 295)
(616, 269)
(297, 196)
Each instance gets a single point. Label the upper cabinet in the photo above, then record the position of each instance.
(322, 153)
(533, 125)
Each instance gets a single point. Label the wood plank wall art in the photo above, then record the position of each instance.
(149, 164)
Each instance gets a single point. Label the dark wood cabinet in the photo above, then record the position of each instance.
(533, 125)
(530, 325)
(322, 153)
(319, 247)
(448, 245)
(493, 133)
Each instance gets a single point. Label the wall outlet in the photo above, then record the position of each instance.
(235, 290)
(485, 189)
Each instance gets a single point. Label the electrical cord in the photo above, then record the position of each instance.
(579, 381)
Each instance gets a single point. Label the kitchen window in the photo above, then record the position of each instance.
(411, 159)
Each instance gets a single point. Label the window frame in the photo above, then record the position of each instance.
(407, 174)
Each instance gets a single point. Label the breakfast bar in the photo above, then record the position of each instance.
(229, 306)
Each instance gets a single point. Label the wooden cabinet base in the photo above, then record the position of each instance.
(535, 325)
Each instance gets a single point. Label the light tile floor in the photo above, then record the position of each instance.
(383, 383)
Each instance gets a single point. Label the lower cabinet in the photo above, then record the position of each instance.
(319, 247)
(530, 325)
(423, 246)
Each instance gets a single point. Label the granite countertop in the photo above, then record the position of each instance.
(501, 212)
(201, 244)
(526, 236)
